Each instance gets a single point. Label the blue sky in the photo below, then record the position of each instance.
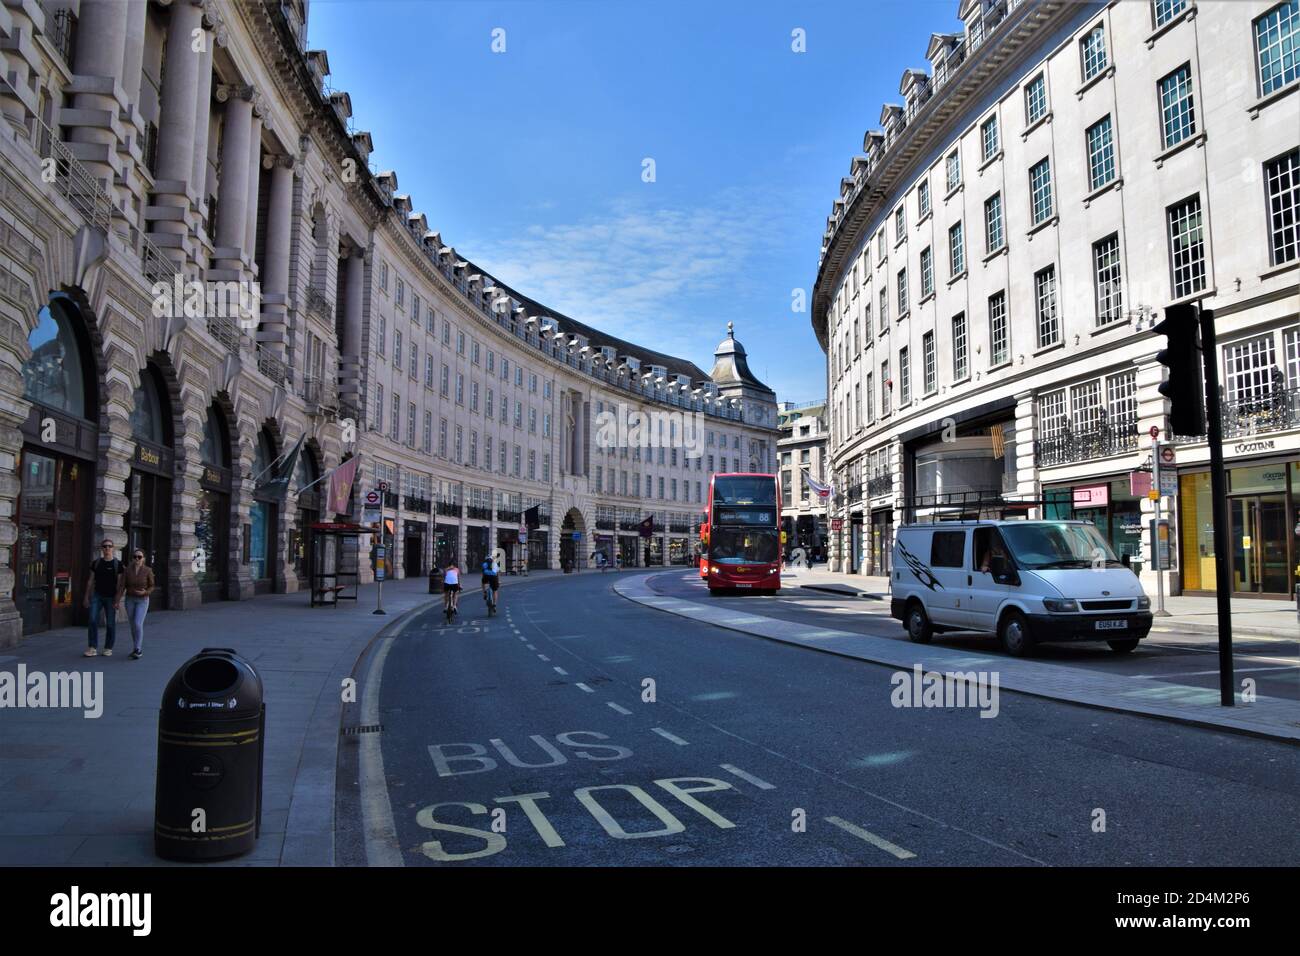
(530, 161)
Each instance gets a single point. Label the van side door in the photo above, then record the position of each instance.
(948, 550)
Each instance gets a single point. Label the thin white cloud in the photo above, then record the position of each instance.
(667, 276)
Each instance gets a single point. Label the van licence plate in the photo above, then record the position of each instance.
(1118, 625)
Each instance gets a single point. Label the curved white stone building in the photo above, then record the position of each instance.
(198, 268)
(1056, 176)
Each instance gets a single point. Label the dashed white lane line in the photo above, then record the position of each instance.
(748, 777)
(544, 657)
(618, 707)
(585, 687)
(667, 736)
(879, 842)
(529, 646)
(561, 671)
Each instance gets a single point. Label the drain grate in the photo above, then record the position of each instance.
(362, 729)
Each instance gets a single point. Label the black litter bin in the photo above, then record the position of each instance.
(435, 581)
(211, 738)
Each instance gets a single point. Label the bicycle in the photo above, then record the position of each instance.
(490, 599)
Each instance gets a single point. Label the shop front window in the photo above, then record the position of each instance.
(208, 532)
(259, 551)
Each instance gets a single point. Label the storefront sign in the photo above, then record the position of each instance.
(1246, 447)
(217, 477)
(837, 524)
(1092, 496)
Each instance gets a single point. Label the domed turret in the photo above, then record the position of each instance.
(730, 366)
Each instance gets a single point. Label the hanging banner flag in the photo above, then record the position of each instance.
(999, 441)
(281, 471)
(647, 527)
(824, 492)
(341, 479)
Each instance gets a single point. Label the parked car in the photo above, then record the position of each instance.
(1028, 582)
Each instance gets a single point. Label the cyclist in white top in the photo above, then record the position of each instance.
(451, 585)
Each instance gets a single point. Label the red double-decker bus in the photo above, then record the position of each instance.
(742, 533)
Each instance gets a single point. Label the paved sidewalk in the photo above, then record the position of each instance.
(1265, 717)
(1195, 615)
(78, 791)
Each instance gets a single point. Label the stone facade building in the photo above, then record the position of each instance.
(801, 448)
(198, 268)
(999, 255)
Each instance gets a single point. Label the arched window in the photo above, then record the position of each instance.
(147, 415)
(305, 473)
(263, 455)
(215, 448)
(54, 376)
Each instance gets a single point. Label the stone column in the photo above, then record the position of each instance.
(202, 128)
(180, 86)
(279, 234)
(98, 71)
(350, 344)
(254, 187)
(133, 49)
(232, 195)
(175, 192)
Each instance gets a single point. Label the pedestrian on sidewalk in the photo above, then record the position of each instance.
(139, 586)
(104, 589)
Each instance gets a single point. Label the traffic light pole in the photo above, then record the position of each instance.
(1219, 503)
(1156, 560)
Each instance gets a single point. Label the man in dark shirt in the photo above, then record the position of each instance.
(104, 590)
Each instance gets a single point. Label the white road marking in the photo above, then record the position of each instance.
(586, 688)
(618, 707)
(376, 810)
(544, 657)
(871, 838)
(667, 736)
(748, 777)
(529, 646)
(561, 671)
(1235, 670)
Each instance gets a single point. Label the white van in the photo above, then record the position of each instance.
(1028, 582)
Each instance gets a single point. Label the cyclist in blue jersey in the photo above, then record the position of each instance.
(491, 584)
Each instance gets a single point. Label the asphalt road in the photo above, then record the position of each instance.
(1166, 655)
(577, 728)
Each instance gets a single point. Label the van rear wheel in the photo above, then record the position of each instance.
(919, 630)
(1015, 635)
(1123, 647)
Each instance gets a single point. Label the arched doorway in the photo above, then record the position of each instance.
(306, 476)
(56, 469)
(572, 549)
(264, 517)
(212, 523)
(149, 487)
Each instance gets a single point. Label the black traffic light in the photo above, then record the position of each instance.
(1184, 386)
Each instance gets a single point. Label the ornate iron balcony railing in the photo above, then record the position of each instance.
(1084, 444)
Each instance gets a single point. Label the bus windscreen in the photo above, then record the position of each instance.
(744, 490)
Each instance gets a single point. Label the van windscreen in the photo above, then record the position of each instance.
(1043, 546)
